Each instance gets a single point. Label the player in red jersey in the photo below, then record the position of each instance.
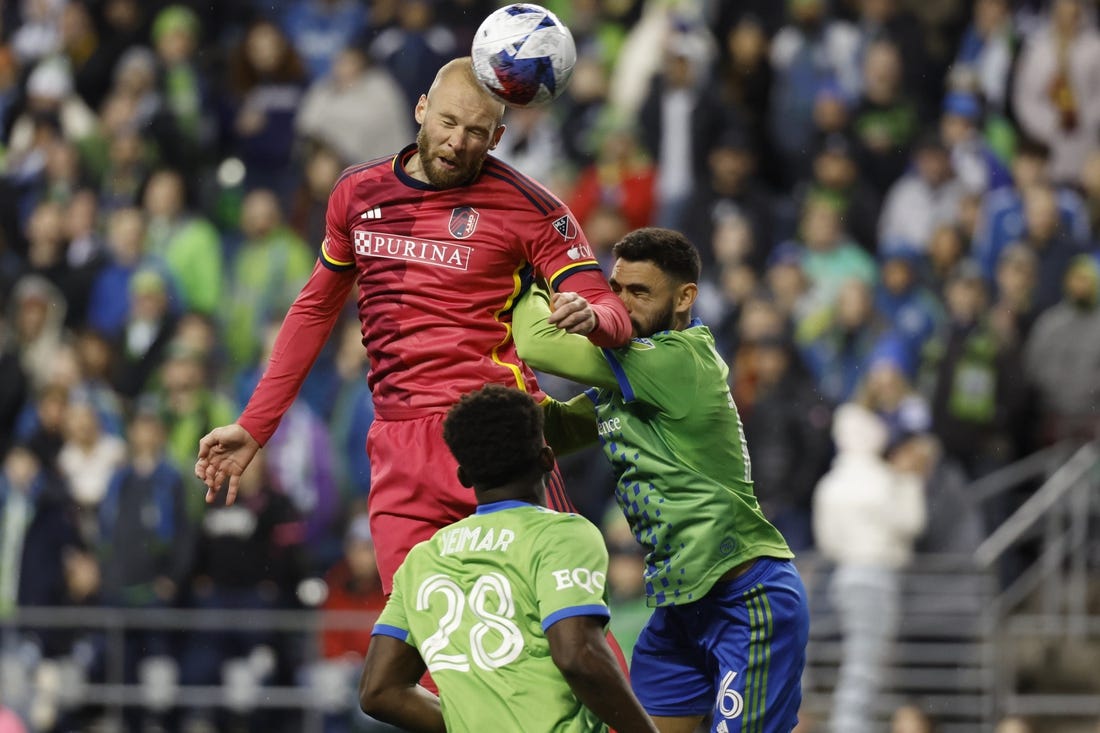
(441, 239)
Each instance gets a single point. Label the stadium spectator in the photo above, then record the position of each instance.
(988, 48)
(973, 159)
(265, 88)
(184, 241)
(911, 718)
(186, 127)
(1054, 246)
(830, 257)
(356, 109)
(533, 144)
(885, 119)
(622, 176)
(147, 331)
(353, 586)
(925, 197)
(1054, 95)
(306, 213)
(1002, 219)
(902, 299)
(192, 408)
(835, 176)
(744, 79)
(787, 431)
(557, 651)
(87, 460)
(730, 191)
(1062, 354)
(414, 47)
(973, 379)
(811, 53)
(867, 516)
(836, 343)
(1014, 310)
(888, 387)
(145, 508)
(677, 120)
(683, 432)
(320, 30)
(267, 271)
(351, 414)
(38, 311)
(249, 559)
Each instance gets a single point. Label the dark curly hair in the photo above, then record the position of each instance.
(495, 434)
(669, 250)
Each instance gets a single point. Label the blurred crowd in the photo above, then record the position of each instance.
(897, 204)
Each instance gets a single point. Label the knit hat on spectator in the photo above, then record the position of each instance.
(785, 253)
(175, 18)
(147, 281)
(893, 351)
(963, 104)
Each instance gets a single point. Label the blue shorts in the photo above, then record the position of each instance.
(739, 651)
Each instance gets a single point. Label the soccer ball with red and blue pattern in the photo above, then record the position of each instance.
(523, 55)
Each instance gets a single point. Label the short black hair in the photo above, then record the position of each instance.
(495, 434)
(669, 250)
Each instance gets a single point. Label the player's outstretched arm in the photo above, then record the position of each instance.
(388, 689)
(224, 453)
(578, 646)
(544, 346)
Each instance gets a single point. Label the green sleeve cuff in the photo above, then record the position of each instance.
(569, 426)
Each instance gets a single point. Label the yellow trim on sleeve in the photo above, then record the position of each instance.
(517, 285)
(565, 269)
(332, 260)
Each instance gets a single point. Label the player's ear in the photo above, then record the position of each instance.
(546, 459)
(685, 297)
(496, 136)
(464, 479)
(420, 111)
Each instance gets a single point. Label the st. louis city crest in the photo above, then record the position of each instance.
(463, 222)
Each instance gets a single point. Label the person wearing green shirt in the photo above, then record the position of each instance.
(507, 609)
(728, 634)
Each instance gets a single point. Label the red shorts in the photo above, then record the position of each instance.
(415, 490)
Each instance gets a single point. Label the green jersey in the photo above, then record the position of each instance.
(476, 600)
(673, 435)
(670, 428)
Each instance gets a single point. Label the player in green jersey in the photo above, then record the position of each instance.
(507, 608)
(729, 634)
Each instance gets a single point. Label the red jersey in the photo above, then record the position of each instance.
(438, 271)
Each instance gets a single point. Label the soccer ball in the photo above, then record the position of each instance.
(523, 55)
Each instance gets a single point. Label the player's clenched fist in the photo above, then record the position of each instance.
(224, 452)
(572, 313)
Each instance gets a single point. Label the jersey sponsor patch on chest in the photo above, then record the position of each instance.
(412, 249)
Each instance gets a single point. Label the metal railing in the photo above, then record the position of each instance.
(315, 695)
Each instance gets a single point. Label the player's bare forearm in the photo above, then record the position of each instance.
(579, 648)
(388, 689)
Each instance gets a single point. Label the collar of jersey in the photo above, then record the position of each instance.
(498, 506)
(399, 170)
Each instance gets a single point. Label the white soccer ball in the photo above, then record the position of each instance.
(523, 55)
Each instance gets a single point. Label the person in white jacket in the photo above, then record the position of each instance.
(867, 515)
